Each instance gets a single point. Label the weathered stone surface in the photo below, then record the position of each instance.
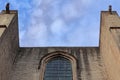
(8, 44)
(109, 44)
(93, 63)
(115, 32)
(90, 66)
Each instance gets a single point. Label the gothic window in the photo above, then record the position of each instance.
(58, 68)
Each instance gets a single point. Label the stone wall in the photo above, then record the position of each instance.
(109, 44)
(22, 63)
(8, 43)
(89, 63)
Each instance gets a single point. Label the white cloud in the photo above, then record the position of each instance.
(50, 23)
(36, 35)
(58, 27)
(69, 11)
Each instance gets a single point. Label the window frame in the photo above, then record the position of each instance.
(51, 55)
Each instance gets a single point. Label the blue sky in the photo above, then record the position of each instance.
(59, 22)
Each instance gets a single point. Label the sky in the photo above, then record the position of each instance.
(65, 23)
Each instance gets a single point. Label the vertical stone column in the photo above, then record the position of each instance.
(9, 43)
(108, 45)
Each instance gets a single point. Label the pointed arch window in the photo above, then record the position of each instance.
(58, 68)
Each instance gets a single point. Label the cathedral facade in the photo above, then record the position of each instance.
(60, 63)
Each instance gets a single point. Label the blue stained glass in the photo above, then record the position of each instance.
(58, 68)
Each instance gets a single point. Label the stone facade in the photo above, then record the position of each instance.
(89, 64)
(109, 43)
(92, 63)
(8, 43)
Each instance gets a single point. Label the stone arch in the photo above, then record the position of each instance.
(51, 55)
